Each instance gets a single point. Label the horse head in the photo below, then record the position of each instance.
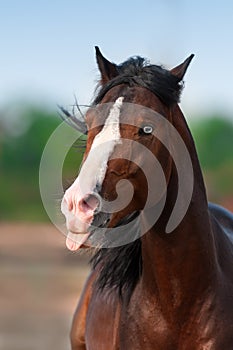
(126, 126)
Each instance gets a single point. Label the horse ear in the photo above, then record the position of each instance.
(179, 71)
(107, 69)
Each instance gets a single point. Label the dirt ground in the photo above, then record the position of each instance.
(41, 282)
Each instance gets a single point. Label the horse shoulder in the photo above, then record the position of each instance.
(77, 334)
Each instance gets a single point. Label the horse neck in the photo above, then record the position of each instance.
(180, 266)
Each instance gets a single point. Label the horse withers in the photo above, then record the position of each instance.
(162, 269)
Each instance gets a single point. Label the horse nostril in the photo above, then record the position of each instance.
(67, 204)
(90, 203)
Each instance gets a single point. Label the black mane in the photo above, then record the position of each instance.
(120, 268)
(136, 71)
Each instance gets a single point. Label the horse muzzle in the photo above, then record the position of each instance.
(79, 212)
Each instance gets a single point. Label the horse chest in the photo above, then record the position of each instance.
(112, 326)
(144, 327)
(141, 325)
(207, 327)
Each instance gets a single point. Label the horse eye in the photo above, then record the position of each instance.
(146, 130)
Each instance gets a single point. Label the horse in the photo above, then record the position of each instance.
(151, 286)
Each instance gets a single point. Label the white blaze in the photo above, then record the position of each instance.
(109, 137)
(94, 168)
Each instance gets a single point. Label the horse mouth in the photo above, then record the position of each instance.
(99, 232)
(104, 235)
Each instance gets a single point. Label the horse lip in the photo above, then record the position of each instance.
(77, 232)
(97, 231)
(76, 240)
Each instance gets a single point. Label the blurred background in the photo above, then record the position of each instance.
(47, 56)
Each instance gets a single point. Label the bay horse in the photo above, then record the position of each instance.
(157, 290)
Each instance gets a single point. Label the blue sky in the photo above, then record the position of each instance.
(47, 47)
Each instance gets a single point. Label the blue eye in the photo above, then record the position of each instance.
(146, 130)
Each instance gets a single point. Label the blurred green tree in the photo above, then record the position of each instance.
(214, 141)
(19, 164)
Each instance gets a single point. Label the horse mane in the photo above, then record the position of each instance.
(119, 268)
(137, 71)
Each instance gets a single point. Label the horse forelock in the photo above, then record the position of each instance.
(136, 71)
